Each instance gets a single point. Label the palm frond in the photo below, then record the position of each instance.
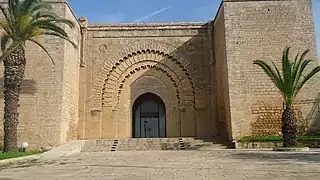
(7, 18)
(268, 70)
(302, 67)
(313, 72)
(286, 64)
(4, 25)
(296, 75)
(9, 50)
(278, 73)
(286, 70)
(293, 80)
(47, 26)
(294, 65)
(24, 22)
(5, 39)
(41, 5)
(28, 19)
(50, 21)
(28, 4)
(62, 37)
(299, 75)
(43, 48)
(13, 8)
(40, 15)
(65, 21)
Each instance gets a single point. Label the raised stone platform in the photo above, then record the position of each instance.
(292, 149)
(147, 144)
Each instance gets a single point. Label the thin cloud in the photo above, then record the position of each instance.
(152, 14)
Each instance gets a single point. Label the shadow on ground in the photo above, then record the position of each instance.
(24, 164)
(279, 156)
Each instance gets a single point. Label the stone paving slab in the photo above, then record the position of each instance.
(65, 150)
(165, 165)
(19, 159)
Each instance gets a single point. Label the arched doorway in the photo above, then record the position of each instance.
(149, 117)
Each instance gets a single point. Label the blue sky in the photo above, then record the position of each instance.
(116, 11)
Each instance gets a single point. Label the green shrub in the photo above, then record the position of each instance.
(276, 138)
(18, 154)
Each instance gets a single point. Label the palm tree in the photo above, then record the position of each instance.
(289, 83)
(24, 20)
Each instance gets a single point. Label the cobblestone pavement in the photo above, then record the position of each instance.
(189, 165)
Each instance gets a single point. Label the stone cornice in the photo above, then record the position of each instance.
(54, 2)
(148, 26)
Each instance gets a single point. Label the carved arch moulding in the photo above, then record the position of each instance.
(113, 73)
(143, 66)
(138, 61)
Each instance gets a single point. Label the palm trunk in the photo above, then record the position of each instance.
(14, 67)
(289, 127)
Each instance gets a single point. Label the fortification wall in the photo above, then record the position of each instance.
(176, 55)
(49, 98)
(221, 75)
(261, 30)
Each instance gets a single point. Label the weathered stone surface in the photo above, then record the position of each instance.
(203, 73)
(124, 61)
(152, 144)
(50, 95)
(300, 149)
(206, 165)
(260, 30)
(262, 145)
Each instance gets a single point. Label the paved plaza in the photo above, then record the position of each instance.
(189, 165)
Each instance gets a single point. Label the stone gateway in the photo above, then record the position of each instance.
(154, 80)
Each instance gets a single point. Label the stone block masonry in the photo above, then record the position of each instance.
(202, 72)
(49, 97)
(261, 30)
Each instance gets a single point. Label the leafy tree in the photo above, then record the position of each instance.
(289, 82)
(24, 20)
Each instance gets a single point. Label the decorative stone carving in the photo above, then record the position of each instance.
(139, 56)
(103, 47)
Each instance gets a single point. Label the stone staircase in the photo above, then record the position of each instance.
(147, 144)
(205, 143)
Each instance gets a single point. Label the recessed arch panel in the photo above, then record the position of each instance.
(148, 117)
(112, 83)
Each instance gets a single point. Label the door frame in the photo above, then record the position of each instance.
(137, 103)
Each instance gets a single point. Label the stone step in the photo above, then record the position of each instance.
(147, 144)
(143, 144)
(97, 146)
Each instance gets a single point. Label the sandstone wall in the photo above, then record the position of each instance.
(202, 71)
(71, 71)
(48, 103)
(261, 30)
(221, 75)
(119, 59)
